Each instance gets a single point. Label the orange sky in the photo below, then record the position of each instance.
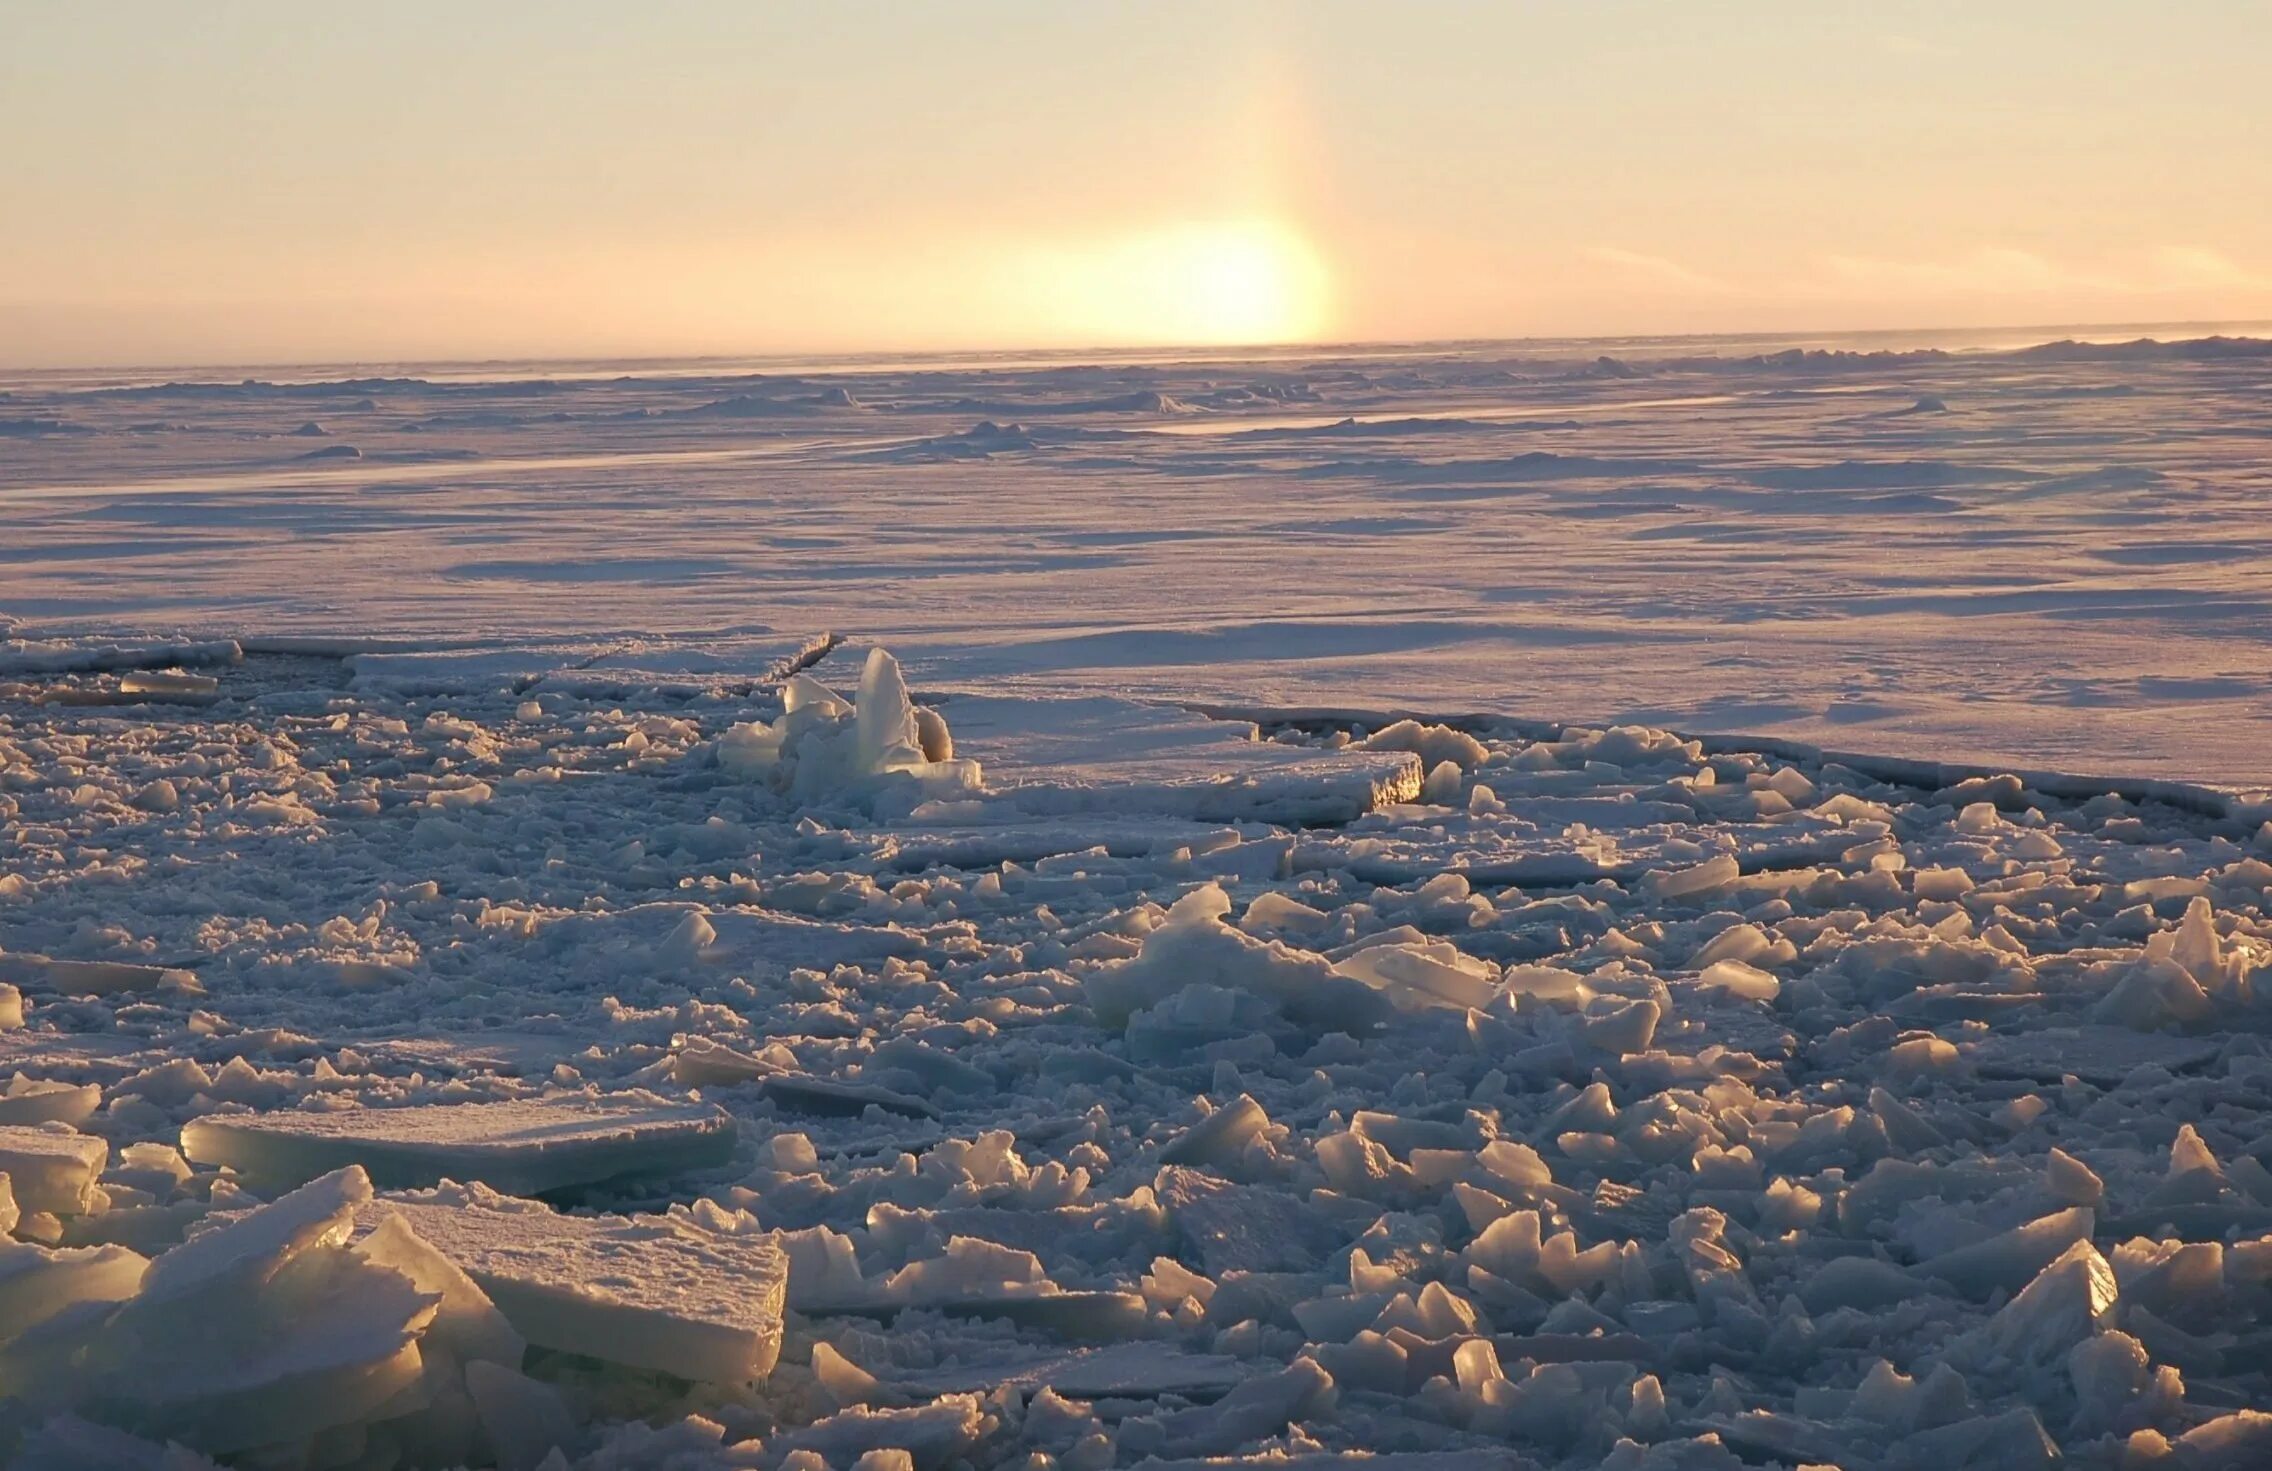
(263, 182)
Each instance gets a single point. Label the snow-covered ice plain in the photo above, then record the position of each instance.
(1692, 907)
(2054, 557)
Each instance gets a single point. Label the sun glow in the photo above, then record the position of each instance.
(1214, 283)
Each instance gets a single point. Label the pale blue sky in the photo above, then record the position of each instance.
(258, 182)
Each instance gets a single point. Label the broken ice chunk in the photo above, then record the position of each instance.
(1189, 1021)
(467, 1322)
(699, 1062)
(652, 1292)
(2069, 1179)
(1428, 974)
(823, 746)
(2152, 994)
(263, 1330)
(2108, 1372)
(1745, 942)
(2194, 1176)
(1079, 1317)
(1434, 744)
(1706, 878)
(2242, 1438)
(30, 1102)
(94, 977)
(1119, 1370)
(846, 1382)
(1239, 1228)
(527, 1421)
(1194, 947)
(1856, 1282)
(524, 1146)
(167, 687)
(972, 1278)
(2068, 1301)
(52, 1167)
(1220, 1137)
(1169, 1285)
(967, 1267)
(36, 1282)
(840, 1098)
(2010, 1259)
(1744, 982)
(1622, 1028)
(2011, 1441)
(931, 1435)
(1262, 1406)
(11, 1007)
(1271, 910)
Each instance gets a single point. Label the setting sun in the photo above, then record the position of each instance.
(1202, 283)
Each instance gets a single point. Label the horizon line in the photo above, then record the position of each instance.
(878, 358)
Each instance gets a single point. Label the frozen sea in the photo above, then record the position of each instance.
(499, 966)
(1974, 547)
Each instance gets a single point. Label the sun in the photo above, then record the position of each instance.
(1205, 283)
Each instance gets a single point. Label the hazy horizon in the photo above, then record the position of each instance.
(254, 185)
(2002, 337)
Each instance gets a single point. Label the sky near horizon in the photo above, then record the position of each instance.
(240, 182)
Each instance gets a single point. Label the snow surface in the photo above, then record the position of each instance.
(2067, 569)
(1159, 1028)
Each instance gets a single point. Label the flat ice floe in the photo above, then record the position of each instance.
(527, 1146)
(652, 1293)
(1099, 756)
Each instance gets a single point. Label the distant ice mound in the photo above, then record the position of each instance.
(785, 406)
(747, 406)
(1136, 401)
(985, 438)
(1151, 402)
(981, 441)
(877, 747)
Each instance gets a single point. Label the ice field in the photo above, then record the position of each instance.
(2054, 557)
(1656, 906)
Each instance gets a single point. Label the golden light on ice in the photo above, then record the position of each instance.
(1214, 283)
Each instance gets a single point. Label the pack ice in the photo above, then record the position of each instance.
(535, 1072)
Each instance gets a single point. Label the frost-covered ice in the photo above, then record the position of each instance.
(1119, 1042)
(664, 1294)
